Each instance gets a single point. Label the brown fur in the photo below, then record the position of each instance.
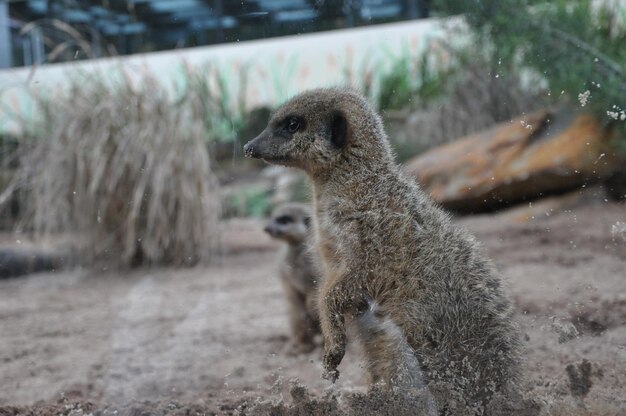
(298, 272)
(381, 238)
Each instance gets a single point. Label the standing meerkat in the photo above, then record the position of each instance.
(382, 239)
(299, 274)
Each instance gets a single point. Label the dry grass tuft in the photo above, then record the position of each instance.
(127, 170)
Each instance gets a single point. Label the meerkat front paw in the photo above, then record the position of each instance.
(332, 358)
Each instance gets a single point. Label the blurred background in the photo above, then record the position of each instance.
(133, 264)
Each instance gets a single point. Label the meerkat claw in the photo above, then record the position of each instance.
(331, 375)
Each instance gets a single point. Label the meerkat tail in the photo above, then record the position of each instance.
(390, 358)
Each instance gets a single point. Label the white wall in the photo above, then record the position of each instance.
(278, 67)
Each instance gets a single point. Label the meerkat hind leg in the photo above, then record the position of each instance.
(302, 323)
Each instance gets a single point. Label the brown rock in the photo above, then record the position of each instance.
(541, 154)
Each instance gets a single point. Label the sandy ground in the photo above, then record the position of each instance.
(210, 340)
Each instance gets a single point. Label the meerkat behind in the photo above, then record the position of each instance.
(381, 237)
(299, 275)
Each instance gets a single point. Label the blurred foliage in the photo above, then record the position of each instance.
(283, 76)
(577, 46)
(253, 201)
(207, 89)
(411, 82)
(454, 89)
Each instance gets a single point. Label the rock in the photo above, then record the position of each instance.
(599, 313)
(537, 155)
(565, 330)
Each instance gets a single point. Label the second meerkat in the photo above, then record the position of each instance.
(299, 274)
(382, 239)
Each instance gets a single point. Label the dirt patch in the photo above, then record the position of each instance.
(210, 340)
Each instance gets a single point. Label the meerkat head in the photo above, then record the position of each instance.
(290, 222)
(315, 130)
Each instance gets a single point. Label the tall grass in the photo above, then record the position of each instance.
(126, 169)
(208, 89)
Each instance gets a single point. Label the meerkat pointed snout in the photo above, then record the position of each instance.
(298, 272)
(381, 239)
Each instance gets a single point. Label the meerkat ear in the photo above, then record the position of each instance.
(338, 129)
(307, 222)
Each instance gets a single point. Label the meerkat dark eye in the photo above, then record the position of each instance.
(284, 219)
(307, 221)
(293, 124)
